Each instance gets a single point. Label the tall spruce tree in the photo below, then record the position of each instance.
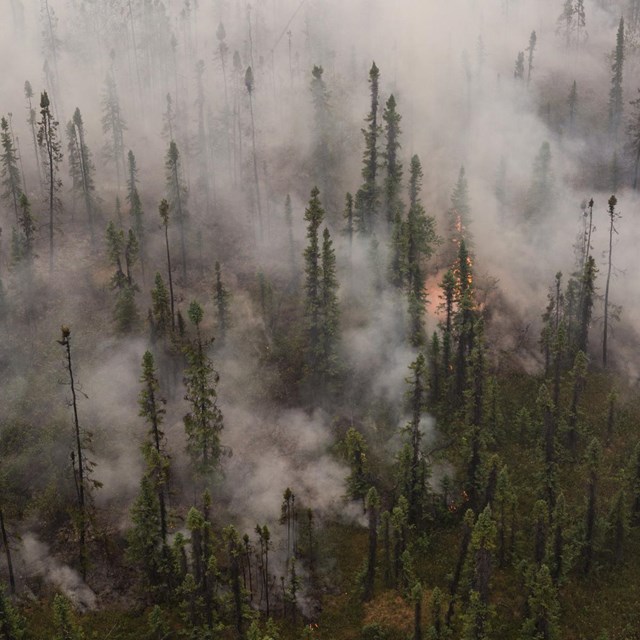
(393, 166)
(154, 446)
(81, 168)
(616, 92)
(135, 206)
(321, 304)
(113, 126)
(177, 199)
(32, 121)
(633, 142)
(82, 467)
(367, 197)
(420, 238)
(10, 172)
(221, 298)
(52, 156)
(613, 217)
(204, 421)
(321, 153)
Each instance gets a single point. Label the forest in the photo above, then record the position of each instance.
(319, 319)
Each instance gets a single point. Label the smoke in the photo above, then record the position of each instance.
(450, 66)
(37, 562)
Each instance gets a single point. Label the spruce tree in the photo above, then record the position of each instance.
(566, 21)
(393, 166)
(321, 153)
(154, 447)
(82, 467)
(32, 121)
(164, 217)
(414, 472)
(23, 237)
(531, 49)
(81, 168)
(12, 624)
(321, 302)
(135, 204)
(9, 173)
(64, 625)
(613, 216)
(616, 93)
(51, 149)
(367, 197)
(420, 238)
(221, 298)
(204, 421)
(177, 199)
(113, 126)
(543, 609)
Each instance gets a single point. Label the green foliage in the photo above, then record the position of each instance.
(204, 422)
(63, 621)
(12, 624)
(355, 448)
(321, 302)
(222, 299)
(9, 172)
(367, 197)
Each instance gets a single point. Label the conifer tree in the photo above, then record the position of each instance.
(616, 94)
(65, 627)
(458, 216)
(321, 153)
(531, 49)
(414, 472)
(586, 304)
(367, 197)
(12, 624)
(164, 216)
(358, 481)
(329, 309)
(23, 237)
(160, 309)
(123, 253)
(419, 243)
(204, 421)
(82, 466)
(135, 204)
(113, 126)
(321, 303)
(393, 166)
(613, 216)
(51, 149)
(566, 21)
(221, 298)
(81, 167)
(144, 538)
(633, 143)
(543, 608)
(154, 447)
(9, 173)
(32, 121)
(177, 199)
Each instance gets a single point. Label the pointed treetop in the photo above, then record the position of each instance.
(248, 79)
